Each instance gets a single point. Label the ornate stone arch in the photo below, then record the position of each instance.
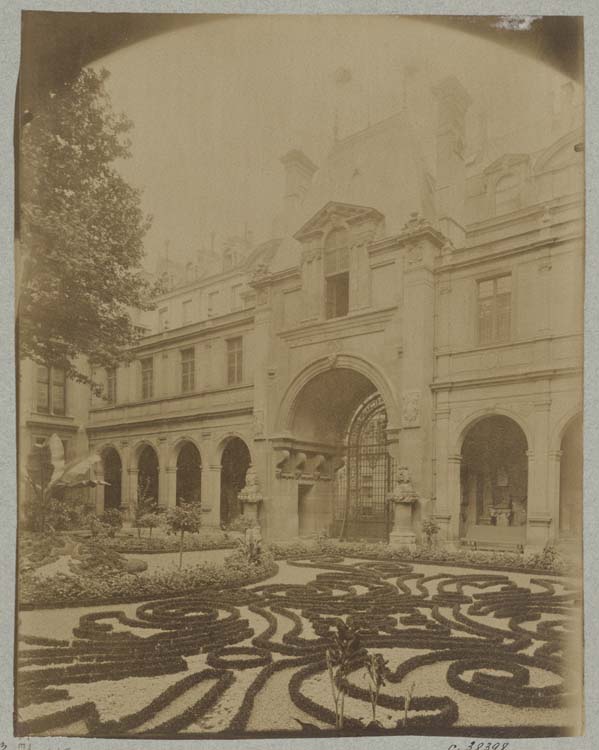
(101, 448)
(562, 426)
(323, 364)
(565, 145)
(461, 430)
(176, 447)
(221, 444)
(138, 448)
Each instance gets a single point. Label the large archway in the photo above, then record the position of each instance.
(112, 467)
(147, 468)
(189, 474)
(494, 481)
(339, 421)
(235, 460)
(570, 489)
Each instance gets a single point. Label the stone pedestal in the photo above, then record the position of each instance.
(250, 496)
(403, 497)
(402, 535)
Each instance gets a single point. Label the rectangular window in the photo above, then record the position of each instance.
(111, 385)
(236, 303)
(51, 390)
(337, 295)
(212, 303)
(163, 319)
(186, 307)
(187, 370)
(147, 378)
(234, 360)
(43, 389)
(58, 391)
(494, 309)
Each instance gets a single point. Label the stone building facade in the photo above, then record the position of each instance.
(404, 315)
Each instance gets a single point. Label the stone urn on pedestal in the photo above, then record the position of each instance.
(402, 497)
(250, 495)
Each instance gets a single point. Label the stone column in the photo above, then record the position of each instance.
(539, 510)
(131, 497)
(454, 465)
(170, 490)
(444, 495)
(99, 490)
(126, 502)
(211, 495)
(554, 477)
(162, 472)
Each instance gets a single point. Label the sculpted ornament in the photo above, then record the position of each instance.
(251, 492)
(403, 497)
(403, 492)
(411, 409)
(260, 271)
(415, 254)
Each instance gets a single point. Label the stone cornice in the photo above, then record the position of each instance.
(348, 325)
(476, 260)
(203, 328)
(491, 380)
(164, 421)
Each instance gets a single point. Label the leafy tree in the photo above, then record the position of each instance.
(82, 231)
(184, 518)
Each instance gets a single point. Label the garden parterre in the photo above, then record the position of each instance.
(482, 649)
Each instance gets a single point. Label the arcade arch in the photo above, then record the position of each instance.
(235, 460)
(188, 474)
(494, 481)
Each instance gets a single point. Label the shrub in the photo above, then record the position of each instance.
(241, 524)
(113, 518)
(129, 544)
(548, 561)
(146, 506)
(62, 590)
(184, 518)
(148, 521)
(430, 529)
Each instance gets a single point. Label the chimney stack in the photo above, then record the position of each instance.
(299, 171)
(452, 104)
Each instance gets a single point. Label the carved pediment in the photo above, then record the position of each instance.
(506, 163)
(335, 215)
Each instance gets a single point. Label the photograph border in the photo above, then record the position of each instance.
(9, 56)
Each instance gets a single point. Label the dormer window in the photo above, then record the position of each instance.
(163, 319)
(336, 272)
(228, 260)
(507, 194)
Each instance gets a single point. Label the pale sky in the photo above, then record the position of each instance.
(216, 105)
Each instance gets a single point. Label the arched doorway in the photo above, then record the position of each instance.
(234, 465)
(189, 474)
(111, 463)
(494, 481)
(339, 418)
(147, 467)
(570, 486)
(361, 507)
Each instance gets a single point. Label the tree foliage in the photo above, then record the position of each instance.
(82, 230)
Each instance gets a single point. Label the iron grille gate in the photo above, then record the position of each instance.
(361, 507)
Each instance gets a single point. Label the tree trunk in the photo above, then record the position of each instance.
(181, 551)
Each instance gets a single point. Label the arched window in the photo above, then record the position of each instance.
(336, 271)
